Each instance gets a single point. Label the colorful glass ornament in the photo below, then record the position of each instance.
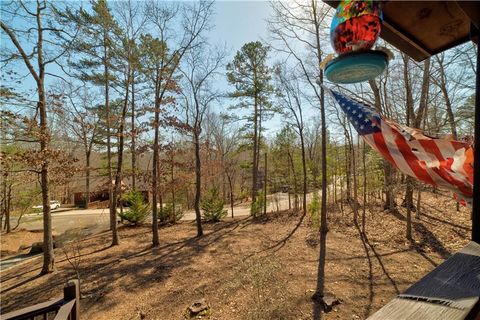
(356, 25)
(353, 32)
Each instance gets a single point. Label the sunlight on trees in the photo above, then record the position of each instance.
(135, 107)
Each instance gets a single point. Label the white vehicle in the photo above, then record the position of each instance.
(53, 205)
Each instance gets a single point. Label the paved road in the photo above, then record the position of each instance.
(68, 220)
(64, 220)
(95, 220)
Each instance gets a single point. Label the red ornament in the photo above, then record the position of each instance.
(355, 26)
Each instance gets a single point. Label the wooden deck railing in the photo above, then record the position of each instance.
(66, 308)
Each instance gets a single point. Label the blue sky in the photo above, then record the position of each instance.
(235, 23)
(238, 22)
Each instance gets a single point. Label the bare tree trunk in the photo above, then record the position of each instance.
(364, 187)
(446, 96)
(295, 182)
(320, 290)
(8, 224)
(408, 202)
(348, 166)
(259, 137)
(387, 168)
(134, 133)
(224, 182)
(198, 183)
(335, 172)
(288, 191)
(419, 201)
(341, 194)
(424, 95)
(48, 255)
(265, 188)
(230, 185)
(5, 201)
(160, 191)
(388, 183)
(255, 154)
(2, 213)
(111, 204)
(355, 180)
(9, 207)
(155, 240)
(4, 198)
(450, 115)
(421, 114)
(121, 139)
(172, 185)
(305, 177)
(410, 116)
(87, 179)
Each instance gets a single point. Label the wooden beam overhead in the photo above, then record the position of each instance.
(424, 28)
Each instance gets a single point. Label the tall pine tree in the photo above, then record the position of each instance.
(95, 64)
(251, 76)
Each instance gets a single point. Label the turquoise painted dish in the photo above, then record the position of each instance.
(356, 67)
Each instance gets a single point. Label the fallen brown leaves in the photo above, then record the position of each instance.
(247, 268)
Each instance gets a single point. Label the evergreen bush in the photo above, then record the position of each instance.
(137, 211)
(314, 210)
(166, 214)
(212, 206)
(256, 208)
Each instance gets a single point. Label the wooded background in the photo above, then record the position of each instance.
(132, 96)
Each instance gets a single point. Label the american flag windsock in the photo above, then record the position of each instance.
(439, 162)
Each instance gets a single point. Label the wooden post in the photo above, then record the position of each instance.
(71, 291)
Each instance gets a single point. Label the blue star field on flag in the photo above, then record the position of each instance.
(364, 119)
(436, 161)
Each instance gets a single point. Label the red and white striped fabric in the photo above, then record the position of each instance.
(439, 162)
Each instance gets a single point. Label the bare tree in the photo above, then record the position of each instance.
(226, 137)
(290, 97)
(387, 167)
(43, 53)
(73, 254)
(85, 126)
(413, 118)
(295, 24)
(313, 148)
(200, 67)
(195, 19)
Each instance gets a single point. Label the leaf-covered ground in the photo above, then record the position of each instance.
(249, 269)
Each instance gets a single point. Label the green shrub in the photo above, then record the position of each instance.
(166, 214)
(256, 208)
(212, 206)
(37, 210)
(314, 210)
(138, 210)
